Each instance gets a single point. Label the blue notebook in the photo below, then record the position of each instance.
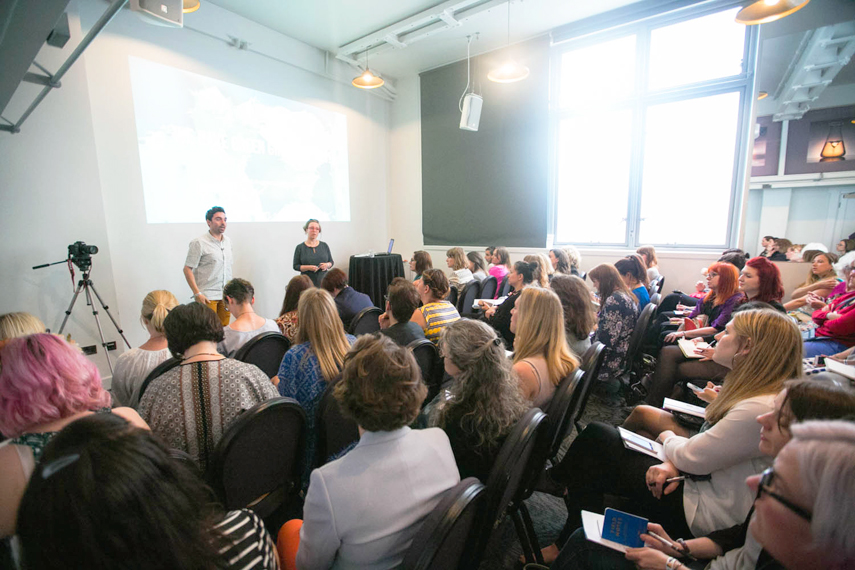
(624, 528)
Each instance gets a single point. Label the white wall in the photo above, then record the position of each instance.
(74, 173)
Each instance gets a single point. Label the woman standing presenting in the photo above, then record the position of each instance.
(312, 258)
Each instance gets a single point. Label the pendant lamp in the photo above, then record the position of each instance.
(191, 6)
(510, 71)
(367, 80)
(765, 11)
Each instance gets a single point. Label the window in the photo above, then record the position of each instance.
(648, 127)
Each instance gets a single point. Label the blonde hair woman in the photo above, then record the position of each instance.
(541, 355)
(651, 262)
(456, 260)
(543, 266)
(133, 366)
(820, 282)
(14, 325)
(315, 361)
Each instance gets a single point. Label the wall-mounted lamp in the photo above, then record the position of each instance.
(191, 6)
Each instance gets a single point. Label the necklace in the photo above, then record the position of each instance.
(250, 312)
(186, 358)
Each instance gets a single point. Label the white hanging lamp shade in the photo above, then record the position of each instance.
(368, 80)
(765, 11)
(191, 6)
(509, 72)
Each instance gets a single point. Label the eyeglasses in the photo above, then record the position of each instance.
(712, 274)
(766, 479)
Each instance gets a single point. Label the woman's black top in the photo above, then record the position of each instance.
(305, 255)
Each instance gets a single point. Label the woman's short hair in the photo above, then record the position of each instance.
(156, 306)
(501, 256)
(579, 315)
(574, 256)
(825, 451)
(847, 260)
(848, 245)
(111, 479)
(240, 290)
(437, 282)
(563, 265)
(189, 324)
(528, 270)
(541, 275)
(295, 288)
(306, 225)
(403, 299)
(381, 386)
(815, 400)
(728, 282)
(540, 332)
(771, 287)
(477, 261)
(649, 253)
(321, 327)
(334, 279)
(608, 282)
(458, 258)
(633, 265)
(14, 325)
(423, 261)
(42, 379)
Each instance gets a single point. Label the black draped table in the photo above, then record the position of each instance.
(372, 275)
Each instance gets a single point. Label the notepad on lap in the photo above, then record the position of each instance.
(689, 347)
(678, 406)
(641, 444)
(592, 523)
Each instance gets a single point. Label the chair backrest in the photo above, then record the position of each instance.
(366, 322)
(427, 356)
(471, 291)
(161, 368)
(661, 284)
(442, 538)
(335, 432)
(265, 351)
(638, 335)
(561, 411)
(452, 296)
(592, 361)
(656, 298)
(489, 287)
(257, 462)
(505, 479)
(651, 286)
(583, 275)
(504, 287)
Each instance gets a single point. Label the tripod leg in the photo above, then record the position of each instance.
(71, 306)
(86, 286)
(107, 310)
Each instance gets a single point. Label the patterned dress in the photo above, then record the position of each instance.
(614, 327)
(192, 405)
(288, 325)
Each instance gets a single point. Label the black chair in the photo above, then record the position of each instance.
(592, 361)
(430, 363)
(471, 291)
(442, 538)
(257, 462)
(335, 432)
(656, 298)
(504, 482)
(161, 368)
(452, 296)
(561, 411)
(632, 367)
(265, 351)
(489, 287)
(661, 284)
(366, 322)
(504, 287)
(652, 285)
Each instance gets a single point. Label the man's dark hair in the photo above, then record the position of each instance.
(335, 279)
(735, 258)
(185, 325)
(240, 290)
(209, 215)
(403, 299)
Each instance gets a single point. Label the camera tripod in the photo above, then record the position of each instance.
(86, 285)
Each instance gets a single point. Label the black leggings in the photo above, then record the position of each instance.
(597, 464)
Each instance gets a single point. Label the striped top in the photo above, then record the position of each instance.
(250, 548)
(437, 316)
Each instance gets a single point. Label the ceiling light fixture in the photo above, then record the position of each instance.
(762, 95)
(510, 71)
(765, 11)
(191, 6)
(367, 80)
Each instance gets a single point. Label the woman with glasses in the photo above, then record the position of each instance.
(715, 308)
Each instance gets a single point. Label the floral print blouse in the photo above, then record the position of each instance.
(615, 324)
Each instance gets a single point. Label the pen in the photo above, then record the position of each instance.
(671, 545)
(672, 479)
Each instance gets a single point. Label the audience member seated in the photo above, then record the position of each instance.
(579, 315)
(133, 366)
(712, 314)
(363, 509)
(15, 325)
(836, 324)
(488, 256)
(542, 277)
(348, 300)
(732, 548)
(760, 280)
(288, 320)
(315, 361)
(779, 252)
(240, 298)
(575, 259)
(735, 257)
(546, 267)
(843, 267)
(821, 281)
(794, 253)
(501, 266)
(651, 262)
(768, 245)
(483, 403)
(671, 302)
(420, 263)
(541, 355)
(477, 265)
(560, 262)
(435, 312)
(402, 300)
(615, 322)
(191, 405)
(763, 348)
(45, 384)
(522, 276)
(457, 262)
(844, 246)
(108, 495)
(634, 274)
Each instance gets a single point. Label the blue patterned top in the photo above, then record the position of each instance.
(300, 378)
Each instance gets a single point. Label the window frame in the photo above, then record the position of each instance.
(642, 98)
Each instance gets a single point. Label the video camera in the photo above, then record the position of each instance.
(81, 254)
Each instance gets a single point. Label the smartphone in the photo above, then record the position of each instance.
(694, 388)
(819, 360)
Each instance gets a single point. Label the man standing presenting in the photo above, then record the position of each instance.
(209, 264)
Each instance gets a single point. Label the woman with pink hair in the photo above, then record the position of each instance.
(45, 384)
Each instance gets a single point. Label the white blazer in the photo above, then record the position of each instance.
(362, 510)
